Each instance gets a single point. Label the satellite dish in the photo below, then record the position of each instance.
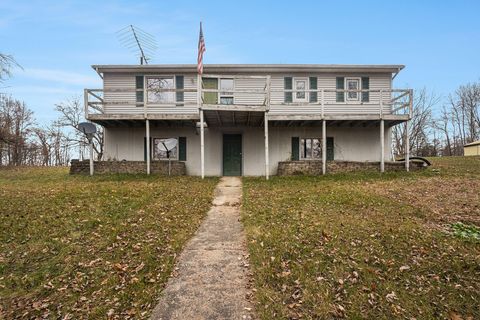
(88, 128)
(167, 144)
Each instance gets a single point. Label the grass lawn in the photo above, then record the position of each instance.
(80, 247)
(366, 245)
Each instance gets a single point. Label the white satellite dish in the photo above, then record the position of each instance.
(89, 130)
(167, 145)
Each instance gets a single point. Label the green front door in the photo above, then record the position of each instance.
(232, 154)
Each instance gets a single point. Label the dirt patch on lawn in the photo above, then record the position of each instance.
(444, 201)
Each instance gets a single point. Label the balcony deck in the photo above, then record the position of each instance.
(249, 106)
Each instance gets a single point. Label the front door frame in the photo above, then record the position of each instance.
(241, 150)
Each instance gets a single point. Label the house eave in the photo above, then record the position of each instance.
(251, 68)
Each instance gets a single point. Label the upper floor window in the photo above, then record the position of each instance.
(226, 91)
(352, 87)
(300, 86)
(155, 87)
(295, 89)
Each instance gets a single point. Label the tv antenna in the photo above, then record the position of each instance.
(138, 41)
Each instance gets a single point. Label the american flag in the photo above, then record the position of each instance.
(201, 50)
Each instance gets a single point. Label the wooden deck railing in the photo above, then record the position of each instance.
(398, 101)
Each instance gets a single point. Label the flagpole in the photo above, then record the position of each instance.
(201, 49)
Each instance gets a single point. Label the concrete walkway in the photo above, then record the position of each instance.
(211, 278)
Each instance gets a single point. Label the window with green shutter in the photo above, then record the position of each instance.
(182, 148)
(210, 97)
(288, 85)
(330, 150)
(179, 84)
(340, 86)
(365, 86)
(313, 86)
(295, 148)
(139, 86)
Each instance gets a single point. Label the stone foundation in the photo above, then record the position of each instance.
(313, 168)
(156, 167)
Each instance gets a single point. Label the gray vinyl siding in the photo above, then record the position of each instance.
(325, 81)
(118, 81)
(328, 82)
(249, 84)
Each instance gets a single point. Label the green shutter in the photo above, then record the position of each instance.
(288, 85)
(179, 84)
(145, 148)
(340, 86)
(182, 148)
(313, 86)
(210, 97)
(330, 151)
(295, 148)
(139, 86)
(365, 86)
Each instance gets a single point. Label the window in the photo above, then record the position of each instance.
(155, 87)
(310, 148)
(226, 91)
(354, 85)
(159, 152)
(300, 86)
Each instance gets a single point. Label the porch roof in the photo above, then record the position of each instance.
(243, 117)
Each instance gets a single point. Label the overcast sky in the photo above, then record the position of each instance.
(56, 42)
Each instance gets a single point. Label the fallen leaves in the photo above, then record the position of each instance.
(357, 251)
(92, 247)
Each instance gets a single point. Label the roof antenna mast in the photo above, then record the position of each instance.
(140, 42)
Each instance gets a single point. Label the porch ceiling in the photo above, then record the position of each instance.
(332, 123)
(222, 118)
(141, 123)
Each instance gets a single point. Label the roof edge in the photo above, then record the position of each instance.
(474, 143)
(390, 68)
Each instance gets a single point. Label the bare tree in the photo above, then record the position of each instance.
(71, 114)
(444, 125)
(468, 103)
(420, 126)
(16, 122)
(7, 63)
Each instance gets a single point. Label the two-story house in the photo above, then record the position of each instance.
(245, 119)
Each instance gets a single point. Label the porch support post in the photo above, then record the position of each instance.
(91, 156)
(266, 146)
(407, 147)
(324, 146)
(147, 135)
(202, 144)
(382, 146)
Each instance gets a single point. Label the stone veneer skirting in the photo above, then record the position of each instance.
(305, 167)
(156, 167)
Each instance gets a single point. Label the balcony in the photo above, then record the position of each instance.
(246, 103)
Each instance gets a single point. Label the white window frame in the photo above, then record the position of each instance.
(153, 76)
(219, 88)
(302, 157)
(165, 159)
(307, 86)
(359, 94)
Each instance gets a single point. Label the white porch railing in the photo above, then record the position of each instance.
(395, 101)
